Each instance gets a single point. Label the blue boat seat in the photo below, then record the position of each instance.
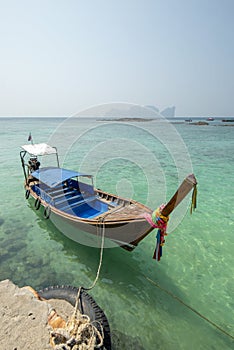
(67, 199)
(63, 193)
(56, 189)
(78, 203)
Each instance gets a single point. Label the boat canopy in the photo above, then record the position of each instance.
(39, 149)
(53, 176)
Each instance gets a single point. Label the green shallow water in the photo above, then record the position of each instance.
(142, 162)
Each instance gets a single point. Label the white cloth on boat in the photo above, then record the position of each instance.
(39, 149)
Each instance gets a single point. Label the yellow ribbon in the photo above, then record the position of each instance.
(194, 199)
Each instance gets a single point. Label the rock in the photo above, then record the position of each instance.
(199, 123)
(34, 261)
(23, 319)
(7, 232)
(123, 341)
(3, 254)
(13, 245)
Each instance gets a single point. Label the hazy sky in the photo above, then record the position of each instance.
(60, 56)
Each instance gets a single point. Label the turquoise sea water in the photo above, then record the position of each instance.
(143, 161)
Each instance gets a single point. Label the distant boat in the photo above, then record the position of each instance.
(210, 119)
(82, 212)
(188, 120)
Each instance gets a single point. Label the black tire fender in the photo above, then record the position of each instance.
(27, 193)
(46, 213)
(87, 306)
(37, 203)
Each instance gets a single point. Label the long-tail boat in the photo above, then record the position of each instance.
(81, 212)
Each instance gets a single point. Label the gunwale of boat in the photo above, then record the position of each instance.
(129, 211)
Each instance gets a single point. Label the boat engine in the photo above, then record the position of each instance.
(33, 164)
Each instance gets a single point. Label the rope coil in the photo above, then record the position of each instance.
(80, 333)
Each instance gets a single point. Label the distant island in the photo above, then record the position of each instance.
(138, 112)
(168, 112)
(127, 110)
(127, 120)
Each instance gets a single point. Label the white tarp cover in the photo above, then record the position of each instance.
(39, 149)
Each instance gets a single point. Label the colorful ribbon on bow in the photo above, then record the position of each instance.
(159, 221)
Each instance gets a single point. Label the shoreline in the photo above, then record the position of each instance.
(24, 318)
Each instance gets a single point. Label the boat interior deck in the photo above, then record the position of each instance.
(85, 202)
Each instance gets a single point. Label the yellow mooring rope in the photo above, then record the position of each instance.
(80, 333)
(190, 307)
(101, 226)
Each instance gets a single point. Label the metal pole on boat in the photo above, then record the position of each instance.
(22, 155)
(57, 156)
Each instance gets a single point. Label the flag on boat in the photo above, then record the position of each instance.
(30, 137)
